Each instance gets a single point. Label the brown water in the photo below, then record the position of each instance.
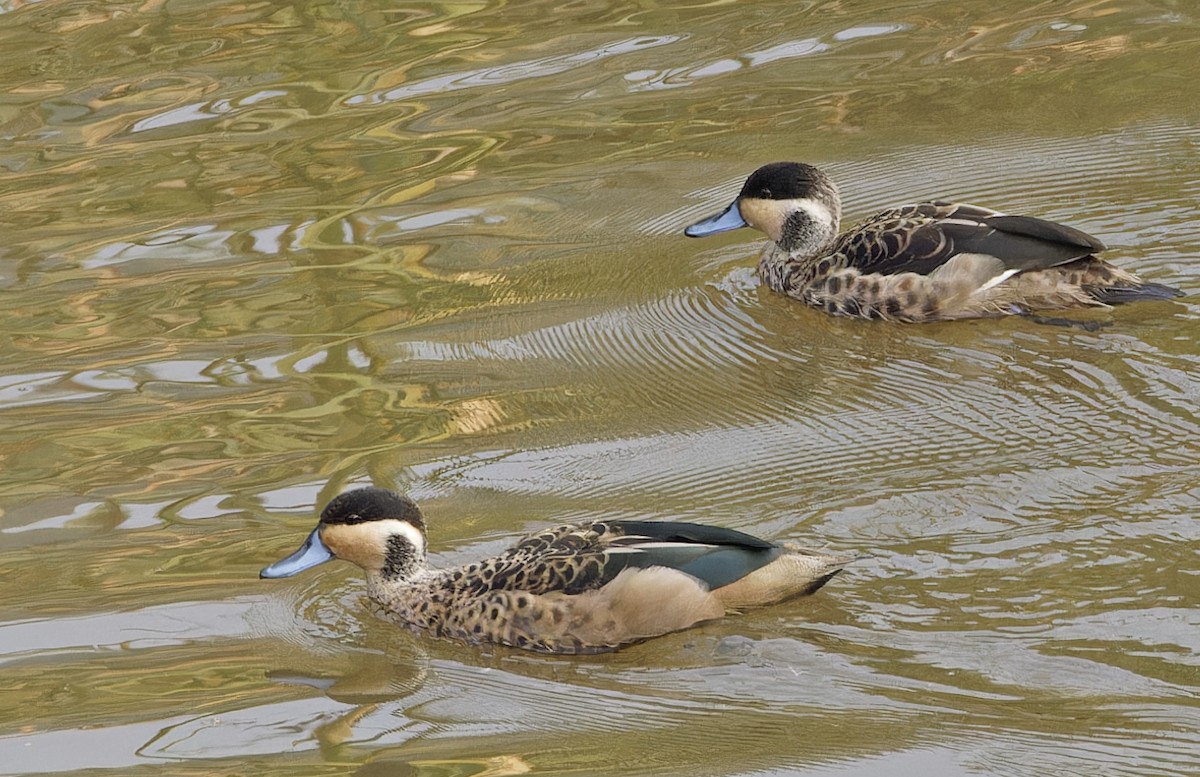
(253, 253)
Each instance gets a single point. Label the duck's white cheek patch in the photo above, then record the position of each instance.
(385, 530)
(366, 544)
(817, 211)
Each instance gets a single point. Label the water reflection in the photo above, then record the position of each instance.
(508, 73)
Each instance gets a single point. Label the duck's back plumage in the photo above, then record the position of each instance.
(942, 260)
(921, 238)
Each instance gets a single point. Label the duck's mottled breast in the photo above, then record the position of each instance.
(565, 559)
(502, 598)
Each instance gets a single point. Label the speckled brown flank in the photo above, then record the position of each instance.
(912, 297)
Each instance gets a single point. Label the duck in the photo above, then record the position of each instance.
(583, 588)
(929, 261)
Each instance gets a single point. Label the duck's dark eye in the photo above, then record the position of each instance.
(764, 194)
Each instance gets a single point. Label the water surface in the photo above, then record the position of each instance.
(253, 254)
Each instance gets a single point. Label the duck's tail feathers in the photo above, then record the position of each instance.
(1119, 295)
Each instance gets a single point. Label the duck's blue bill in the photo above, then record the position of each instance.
(730, 218)
(311, 553)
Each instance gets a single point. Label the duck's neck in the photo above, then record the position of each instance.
(805, 237)
(402, 561)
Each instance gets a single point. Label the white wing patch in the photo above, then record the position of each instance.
(1001, 278)
(643, 546)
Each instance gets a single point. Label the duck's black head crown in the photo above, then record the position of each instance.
(786, 181)
(371, 504)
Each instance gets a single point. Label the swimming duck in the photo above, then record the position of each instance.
(585, 588)
(924, 262)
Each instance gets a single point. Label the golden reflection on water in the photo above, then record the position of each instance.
(253, 253)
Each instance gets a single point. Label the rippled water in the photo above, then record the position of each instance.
(254, 253)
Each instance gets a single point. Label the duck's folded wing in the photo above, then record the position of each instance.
(922, 238)
(713, 555)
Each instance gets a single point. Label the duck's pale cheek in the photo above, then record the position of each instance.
(762, 215)
(354, 543)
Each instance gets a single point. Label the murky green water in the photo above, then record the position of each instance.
(252, 253)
